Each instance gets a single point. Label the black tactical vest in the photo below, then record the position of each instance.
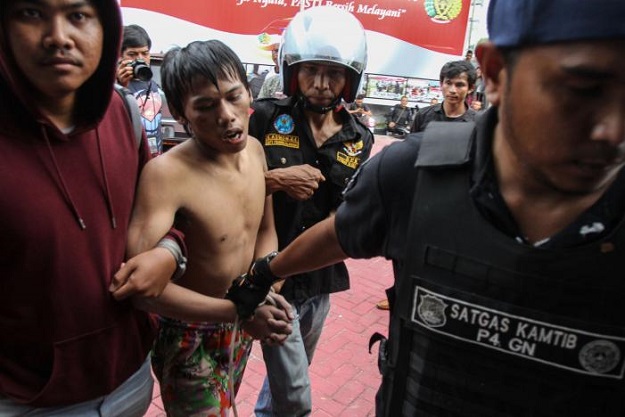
(485, 326)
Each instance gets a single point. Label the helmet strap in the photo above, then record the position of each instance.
(307, 105)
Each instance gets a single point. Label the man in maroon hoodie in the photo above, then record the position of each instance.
(69, 164)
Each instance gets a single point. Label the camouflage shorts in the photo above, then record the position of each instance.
(191, 362)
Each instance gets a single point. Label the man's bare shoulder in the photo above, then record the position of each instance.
(256, 148)
(254, 143)
(168, 165)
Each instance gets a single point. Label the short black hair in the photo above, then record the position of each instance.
(135, 37)
(455, 68)
(205, 61)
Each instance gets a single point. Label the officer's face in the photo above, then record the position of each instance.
(561, 116)
(321, 83)
(57, 44)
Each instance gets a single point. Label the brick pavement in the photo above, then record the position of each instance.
(343, 374)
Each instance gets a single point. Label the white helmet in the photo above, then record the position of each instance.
(325, 34)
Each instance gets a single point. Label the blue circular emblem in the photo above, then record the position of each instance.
(284, 124)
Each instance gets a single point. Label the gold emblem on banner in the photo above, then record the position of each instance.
(443, 11)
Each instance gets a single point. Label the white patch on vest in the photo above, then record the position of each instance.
(432, 311)
(576, 350)
(599, 356)
(592, 228)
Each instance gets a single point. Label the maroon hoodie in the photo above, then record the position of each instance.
(64, 213)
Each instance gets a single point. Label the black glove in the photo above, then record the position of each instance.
(249, 290)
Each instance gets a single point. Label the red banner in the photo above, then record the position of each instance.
(437, 25)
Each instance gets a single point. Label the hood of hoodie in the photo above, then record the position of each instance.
(18, 97)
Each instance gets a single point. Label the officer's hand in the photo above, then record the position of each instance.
(300, 181)
(249, 290)
(125, 73)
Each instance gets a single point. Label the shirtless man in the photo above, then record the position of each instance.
(213, 188)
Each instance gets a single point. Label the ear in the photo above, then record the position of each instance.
(187, 127)
(178, 118)
(184, 122)
(493, 71)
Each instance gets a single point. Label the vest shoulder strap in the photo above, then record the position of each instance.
(446, 144)
(133, 112)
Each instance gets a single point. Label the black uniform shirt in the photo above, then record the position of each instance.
(288, 141)
(373, 220)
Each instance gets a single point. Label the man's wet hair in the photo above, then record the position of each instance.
(454, 69)
(199, 62)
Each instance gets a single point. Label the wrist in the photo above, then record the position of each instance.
(261, 268)
(277, 286)
(231, 312)
(272, 182)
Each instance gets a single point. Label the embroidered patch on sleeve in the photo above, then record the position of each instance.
(349, 161)
(352, 148)
(284, 124)
(276, 139)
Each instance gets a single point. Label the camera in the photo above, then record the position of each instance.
(141, 70)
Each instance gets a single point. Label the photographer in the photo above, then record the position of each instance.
(134, 73)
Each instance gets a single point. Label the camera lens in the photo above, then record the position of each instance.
(143, 72)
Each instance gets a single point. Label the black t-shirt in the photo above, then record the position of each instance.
(437, 114)
(401, 116)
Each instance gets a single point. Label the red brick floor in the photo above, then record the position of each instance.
(344, 376)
